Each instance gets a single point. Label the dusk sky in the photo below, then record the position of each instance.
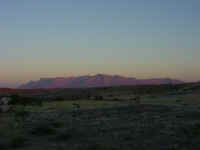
(136, 38)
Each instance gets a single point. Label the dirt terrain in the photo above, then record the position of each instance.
(126, 127)
(169, 121)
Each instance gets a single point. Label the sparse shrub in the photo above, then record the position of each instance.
(100, 147)
(110, 95)
(43, 129)
(64, 136)
(21, 114)
(137, 99)
(69, 133)
(185, 104)
(116, 99)
(57, 124)
(191, 130)
(18, 141)
(88, 96)
(178, 101)
(75, 97)
(3, 146)
(15, 98)
(24, 101)
(98, 97)
(152, 96)
(59, 98)
(128, 138)
(76, 108)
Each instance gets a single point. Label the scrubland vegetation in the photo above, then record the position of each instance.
(166, 117)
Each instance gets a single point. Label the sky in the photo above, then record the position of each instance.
(136, 38)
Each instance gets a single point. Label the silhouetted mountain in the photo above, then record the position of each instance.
(99, 80)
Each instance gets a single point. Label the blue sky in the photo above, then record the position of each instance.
(139, 38)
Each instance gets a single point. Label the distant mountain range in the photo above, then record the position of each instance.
(99, 80)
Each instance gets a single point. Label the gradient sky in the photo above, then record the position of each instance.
(139, 38)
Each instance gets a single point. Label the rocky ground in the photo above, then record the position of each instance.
(138, 127)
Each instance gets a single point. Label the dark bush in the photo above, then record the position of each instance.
(3, 146)
(98, 97)
(64, 136)
(100, 147)
(57, 124)
(25, 101)
(43, 129)
(18, 141)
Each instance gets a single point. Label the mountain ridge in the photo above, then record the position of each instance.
(98, 80)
